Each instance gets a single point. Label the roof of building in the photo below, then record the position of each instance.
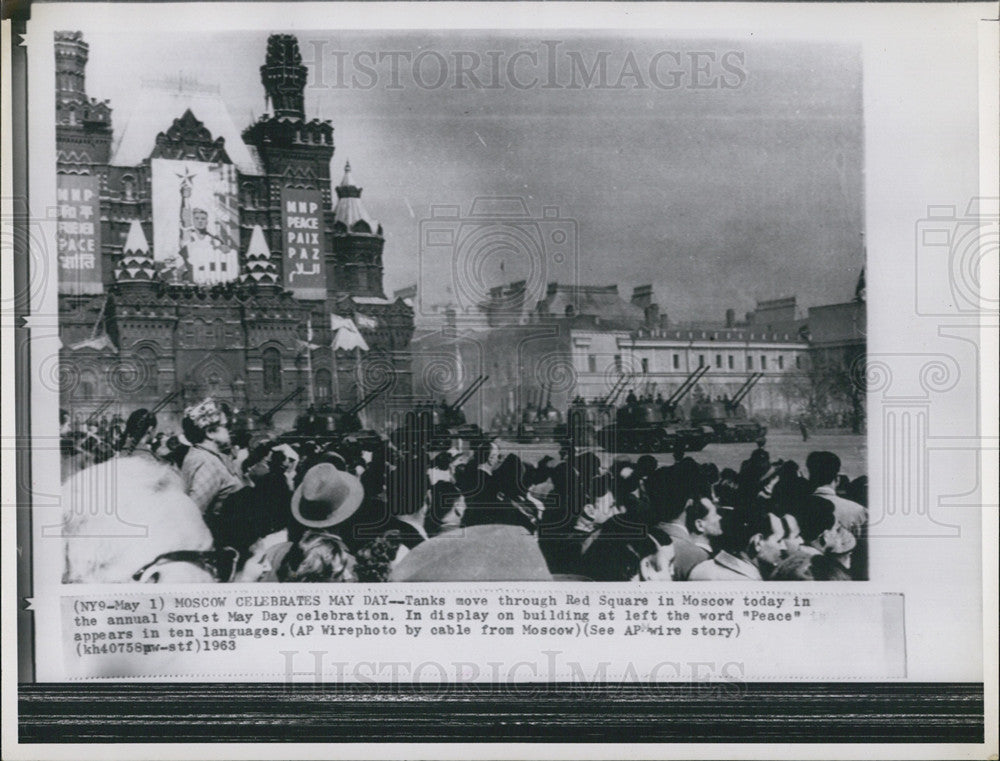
(350, 211)
(135, 242)
(600, 302)
(156, 108)
(838, 323)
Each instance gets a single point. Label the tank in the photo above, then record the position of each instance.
(439, 426)
(726, 421)
(537, 422)
(337, 424)
(642, 427)
(651, 426)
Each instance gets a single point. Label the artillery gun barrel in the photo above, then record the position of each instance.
(99, 411)
(165, 401)
(282, 403)
(625, 378)
(464, 396)
(612, 392)
(687, 385)
(368, 399)
(745, 389)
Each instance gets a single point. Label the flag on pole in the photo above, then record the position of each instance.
(346, 335)
(364, 321)
(308, 344)
(100, 342)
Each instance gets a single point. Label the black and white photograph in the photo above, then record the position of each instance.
(295, 368)
(457, 346)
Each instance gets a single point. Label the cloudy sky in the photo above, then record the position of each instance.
(719, 171)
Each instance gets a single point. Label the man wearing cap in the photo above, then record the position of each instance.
(209, 473)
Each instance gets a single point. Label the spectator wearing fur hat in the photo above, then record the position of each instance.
(209, 472)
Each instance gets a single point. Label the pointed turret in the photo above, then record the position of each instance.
(355, 265)
(259, 269)
(136, 264)
(350, 214)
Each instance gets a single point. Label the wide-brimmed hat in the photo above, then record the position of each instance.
(476, 553)
(326, 497)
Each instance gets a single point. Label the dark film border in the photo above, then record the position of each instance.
(551, 712)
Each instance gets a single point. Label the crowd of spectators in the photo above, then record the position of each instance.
(283, 510)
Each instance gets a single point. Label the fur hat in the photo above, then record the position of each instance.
(204, 414)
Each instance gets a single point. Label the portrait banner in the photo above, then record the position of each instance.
(302, 241)
(79, 234)
(196, 234)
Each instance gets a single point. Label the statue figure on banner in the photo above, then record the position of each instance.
(203, 256)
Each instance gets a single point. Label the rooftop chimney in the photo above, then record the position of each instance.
(642, 296)
(652, 315)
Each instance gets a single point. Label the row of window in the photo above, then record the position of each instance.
(271, 360)
(730, 362)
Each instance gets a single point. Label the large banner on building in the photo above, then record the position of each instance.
(302, 241)
(78, 235)
(196, 221)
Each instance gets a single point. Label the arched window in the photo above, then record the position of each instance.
(148, 366)
(324, 385)
(361, 227)
(128, 187)
(272, 371)
(72, 115)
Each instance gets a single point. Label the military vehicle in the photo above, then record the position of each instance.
(585, 420)
(252, 422)
(651, 426)
(449, 420)
(434, 427)
(726, 421)
(538, 422)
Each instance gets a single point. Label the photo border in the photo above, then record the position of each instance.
(830, 712)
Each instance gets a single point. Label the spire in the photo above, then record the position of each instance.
(135, 242)
(136, 264)
(259, 269)
(347, 188)
(284, 76)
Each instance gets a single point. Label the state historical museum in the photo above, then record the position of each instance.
(198, 260)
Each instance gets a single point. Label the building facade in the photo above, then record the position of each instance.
(198, 260)
(580, 340)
